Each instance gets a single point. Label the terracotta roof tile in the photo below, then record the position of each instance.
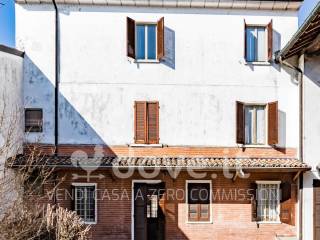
(193, 162)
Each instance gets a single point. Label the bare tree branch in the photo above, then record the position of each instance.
(26, 186)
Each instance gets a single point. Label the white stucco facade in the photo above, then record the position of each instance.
(311, 139)
(203, 75)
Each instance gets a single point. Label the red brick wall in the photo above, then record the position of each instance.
(67, 150)
(231, 218)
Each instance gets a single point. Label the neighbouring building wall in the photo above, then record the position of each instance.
(11, 114)
(311, 138)
(197, 86)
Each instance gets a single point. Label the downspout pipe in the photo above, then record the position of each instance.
(56, 89)
(300, 71)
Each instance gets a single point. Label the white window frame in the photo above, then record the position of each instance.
(210, 204)
(278, 201)
(265, 144)
(146, 42)
(96, 201)
(265, 61)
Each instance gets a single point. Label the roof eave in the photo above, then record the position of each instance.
(282, 54)
(183, 168)
(10, 50)
(229, 4)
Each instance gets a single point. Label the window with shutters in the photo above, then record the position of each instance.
(33, 120)
(145, 41)
(268, 201)
(85, 203)
(199, 201)
(257, 124)
(146, 122)
(258, 43)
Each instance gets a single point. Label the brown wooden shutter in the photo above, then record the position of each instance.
(160, 36)
(253, 191)
(286, 213)
(140, 122)
(240, 122)
(140, 211)
(286, 203)
(272, 123)
(131, 38)
(245, 40)
(270, 40)
(316, 209)
(153, 122)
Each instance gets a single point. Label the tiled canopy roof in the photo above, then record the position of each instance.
(183, 162)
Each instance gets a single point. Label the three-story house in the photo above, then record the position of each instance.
(168, 119)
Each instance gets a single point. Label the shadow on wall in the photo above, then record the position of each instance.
(276, 47)
(72, 125)
(170, 48)
(283, 129)
(312, 70)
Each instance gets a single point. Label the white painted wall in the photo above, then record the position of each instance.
(35, 36)
(99, 84)
(11, 111)
(311, 138)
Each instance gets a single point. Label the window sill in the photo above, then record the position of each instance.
(258, 63)
(209, 222)
(90, 223)
(146, 145)
(276, 222)
(200, 222)
(146, 61)
(255, 146)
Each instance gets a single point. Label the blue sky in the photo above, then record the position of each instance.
(306, 8)
(7, 21)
